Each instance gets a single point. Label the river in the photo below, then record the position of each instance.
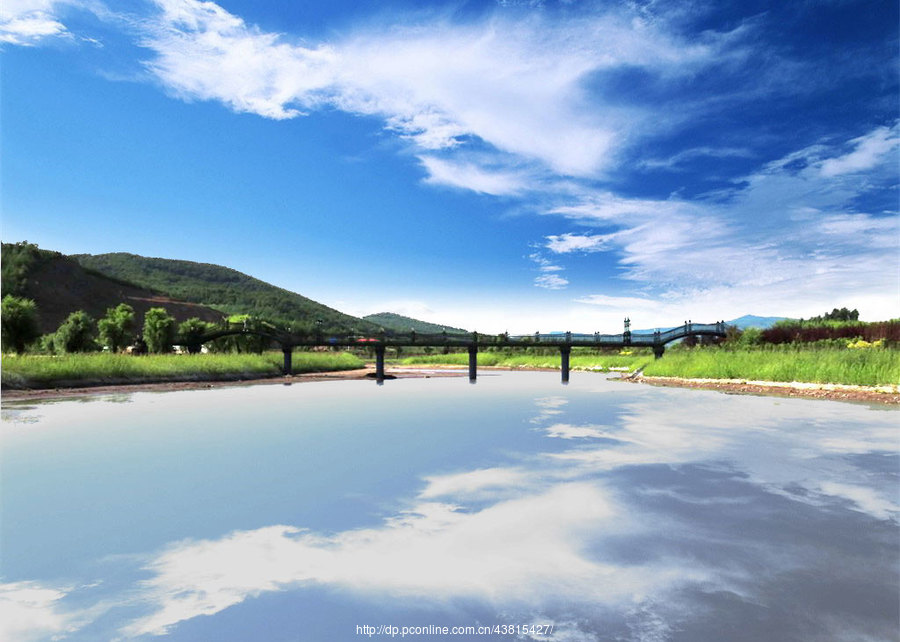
(348, 511)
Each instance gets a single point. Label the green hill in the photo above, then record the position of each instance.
(400, 323)
(222, 288)
(59, 285)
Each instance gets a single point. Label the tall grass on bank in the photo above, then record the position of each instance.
(520, 360)
(34, 371)
(857, 367)
(831, 364)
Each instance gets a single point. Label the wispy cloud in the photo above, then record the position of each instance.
(549, 277)
(516, 85)
(472, 176)
(867, 153)
(786, 237)
(560, 117)
(31, 611)
(28, 22)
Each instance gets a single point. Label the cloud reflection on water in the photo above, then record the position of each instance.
(685, 516)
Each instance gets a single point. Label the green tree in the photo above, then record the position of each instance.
(842, 315)
(159, 330)
(117, 327)
(77, 332)
(18, 318)
(191, 332)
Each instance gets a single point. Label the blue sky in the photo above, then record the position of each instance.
(515, 166)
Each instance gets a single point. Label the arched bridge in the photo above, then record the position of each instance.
(288, 340)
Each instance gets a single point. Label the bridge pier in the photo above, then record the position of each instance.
(379, 363)
(564, 352)
(473, 363)
(658, 350)
(288, 352)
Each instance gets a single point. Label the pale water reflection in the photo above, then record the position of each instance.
(612, 511)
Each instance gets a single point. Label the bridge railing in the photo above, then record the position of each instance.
(286, 338)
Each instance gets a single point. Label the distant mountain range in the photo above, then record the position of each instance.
(752, 321)
(400, 323)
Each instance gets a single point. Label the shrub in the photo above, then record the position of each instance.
(159, 330)
(19, 323)
(117, 327)
(76, 334)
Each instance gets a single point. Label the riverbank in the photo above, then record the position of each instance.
(836, 392)
(91, 370)
(889, 395)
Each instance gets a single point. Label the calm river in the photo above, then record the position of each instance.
(338, 510)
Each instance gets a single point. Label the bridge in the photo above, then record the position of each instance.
(564, 342)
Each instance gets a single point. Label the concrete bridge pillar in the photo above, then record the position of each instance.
(288, 352)
(473, 363)
(658, 350)
(564, 352)
(379, 362)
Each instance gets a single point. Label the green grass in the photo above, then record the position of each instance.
(524, 360)
(35, 371)
(866, 367)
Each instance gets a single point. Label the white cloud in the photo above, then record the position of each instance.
(551, 282)
(565, 243)
(868, 153)
(28, 22)
(472, 177)
(517, 86)
(864, 499)
(518, 549)
(541, 527)
(568, 431)
(549, 278)
(787, 242)
(475, 484)
(30, 611)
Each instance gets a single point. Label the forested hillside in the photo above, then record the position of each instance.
(400, 323)
(59, 285)
(222, 288)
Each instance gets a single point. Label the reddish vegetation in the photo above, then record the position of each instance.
(887, 330)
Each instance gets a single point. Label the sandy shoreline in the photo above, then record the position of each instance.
(837, 392)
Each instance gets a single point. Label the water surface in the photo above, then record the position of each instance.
(607, 510)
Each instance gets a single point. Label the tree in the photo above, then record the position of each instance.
(159, 330)
(117, 327)
(19, 323)
(191, 332)
(76, 334)
(842, 315)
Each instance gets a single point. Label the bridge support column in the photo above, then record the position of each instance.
(288, 352)
(473, 363)
(658, 350)
(379, 363)
(564, 352)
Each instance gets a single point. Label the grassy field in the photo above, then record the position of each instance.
(37, 371)
(867, 367)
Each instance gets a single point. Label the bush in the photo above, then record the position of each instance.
(19, 323)
(159, 330)
(76, 334)
(117, 327)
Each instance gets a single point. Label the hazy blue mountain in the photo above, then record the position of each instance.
(753, 321)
